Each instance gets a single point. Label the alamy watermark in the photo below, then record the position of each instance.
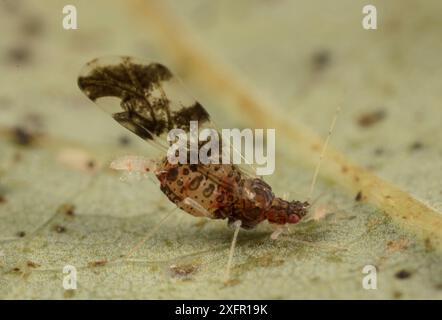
(207, 147)
(370, 281)
(70, 278)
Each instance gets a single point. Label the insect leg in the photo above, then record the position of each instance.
(199, 208)
(237, 226)
(150, 234)
(278, 231)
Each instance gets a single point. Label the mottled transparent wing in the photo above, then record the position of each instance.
(144, 97)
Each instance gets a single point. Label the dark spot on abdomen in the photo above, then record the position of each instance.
(172, 174)
(209, 190)
(195, 183)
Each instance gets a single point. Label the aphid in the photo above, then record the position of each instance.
(150, 102)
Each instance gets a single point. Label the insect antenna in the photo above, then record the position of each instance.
(286, 196)
(321, 156)
(237, 225)
(315, 200)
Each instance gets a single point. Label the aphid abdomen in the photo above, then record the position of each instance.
(198, 183)
(216, 192)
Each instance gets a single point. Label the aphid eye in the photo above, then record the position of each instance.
(293, 218)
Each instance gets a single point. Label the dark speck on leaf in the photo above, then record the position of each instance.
(2, 199)
(59, 229)
(358, 196)
(22, 136)
(403, 274)
(67, 209)
(379, 151)
(369, 119)
(417, 145)
(321, 59)
(32, 264)
(91, 164)
(99, 263)
(124, 140)
(21, 234)
(19, 55)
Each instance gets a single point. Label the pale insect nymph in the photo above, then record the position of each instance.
(150, 102)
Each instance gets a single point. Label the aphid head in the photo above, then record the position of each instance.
(282, 211)
(297, 210)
